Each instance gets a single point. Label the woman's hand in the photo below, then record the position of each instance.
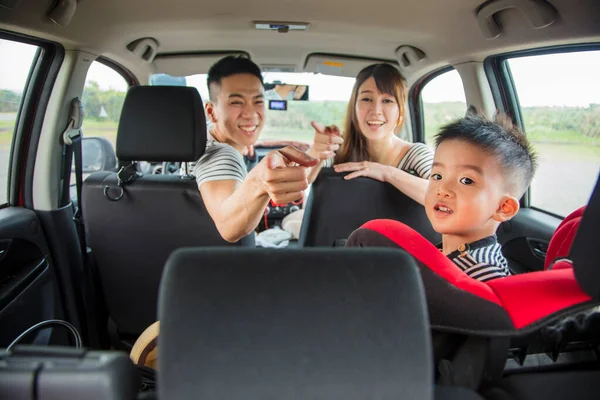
(367, 169)
(327, 141)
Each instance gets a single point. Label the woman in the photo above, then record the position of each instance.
(369, 146)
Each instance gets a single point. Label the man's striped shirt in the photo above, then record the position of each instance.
(220, 162)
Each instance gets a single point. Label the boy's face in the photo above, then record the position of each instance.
(239, 110)
(466, 195)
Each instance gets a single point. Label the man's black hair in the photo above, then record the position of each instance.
(228, 66)
(501, 138)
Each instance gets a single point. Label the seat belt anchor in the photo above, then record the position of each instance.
(70, 134)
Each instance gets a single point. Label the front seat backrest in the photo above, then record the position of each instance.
(293, 324)
(336, 207)
(132, 238)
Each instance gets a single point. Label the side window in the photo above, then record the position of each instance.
(559, 96)
(13, 83)
(443, 100)
(103, 98)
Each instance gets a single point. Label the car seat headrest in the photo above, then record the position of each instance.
(293, 324)
(161, 123)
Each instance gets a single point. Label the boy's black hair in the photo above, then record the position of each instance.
(501, 138)
(228, 66)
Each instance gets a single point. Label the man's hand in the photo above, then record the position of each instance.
(248, 152)
(326, 142)
(282, 174)
(366, 168)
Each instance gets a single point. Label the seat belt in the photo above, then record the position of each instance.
(72, 138)
(72, 141)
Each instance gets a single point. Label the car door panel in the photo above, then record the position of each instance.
(29, 292)
(525, 239)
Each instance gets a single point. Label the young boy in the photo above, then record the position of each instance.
(480, 170)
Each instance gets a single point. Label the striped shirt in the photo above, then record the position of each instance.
(220, 162)
(417, 161)
(481, 260)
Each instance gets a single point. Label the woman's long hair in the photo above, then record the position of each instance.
(389, 81)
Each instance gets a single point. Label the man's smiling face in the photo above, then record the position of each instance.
(239, 110)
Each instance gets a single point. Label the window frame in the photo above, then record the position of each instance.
(30, 117)
(129, 78)
(505, 93)
(415, 102)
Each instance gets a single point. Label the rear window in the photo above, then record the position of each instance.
(328, 98)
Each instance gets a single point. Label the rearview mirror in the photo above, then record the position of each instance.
(285, 91)
(98, 155)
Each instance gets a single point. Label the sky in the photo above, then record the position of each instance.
(569, 79)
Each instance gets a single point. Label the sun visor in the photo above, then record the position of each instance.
(340, 65)
(190, 64)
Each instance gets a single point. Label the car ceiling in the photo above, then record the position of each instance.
(446, 31)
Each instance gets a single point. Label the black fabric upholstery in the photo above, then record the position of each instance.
(585, 252)
(132, 238)
(293, 324)
(454, 393)
(559, 385)
(161, 123)
(337, 207)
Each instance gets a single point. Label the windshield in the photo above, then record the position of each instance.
(328, 99)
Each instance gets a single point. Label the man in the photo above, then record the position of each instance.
(234, 198)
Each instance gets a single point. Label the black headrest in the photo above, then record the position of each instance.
(161, 123)
(293, 324)
(336, 207)
(585, 251)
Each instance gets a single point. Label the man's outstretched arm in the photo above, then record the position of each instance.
(236, 208)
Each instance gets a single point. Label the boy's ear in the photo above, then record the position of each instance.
(209, 107)
(509, 206)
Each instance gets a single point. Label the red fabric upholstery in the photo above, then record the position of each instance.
(530, 297)
(428, 254)
(563, 236)
(526, 298)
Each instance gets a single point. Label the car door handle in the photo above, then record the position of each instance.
(539, 248)
(540, 253)
(4, 245)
